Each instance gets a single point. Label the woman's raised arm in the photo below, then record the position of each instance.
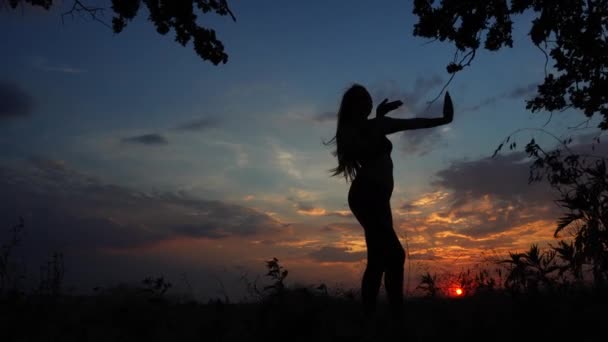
(391, 125)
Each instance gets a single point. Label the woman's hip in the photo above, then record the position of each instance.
(368, 191)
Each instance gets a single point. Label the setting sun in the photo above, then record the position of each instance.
(459, 292)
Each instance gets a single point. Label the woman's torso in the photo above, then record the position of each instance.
(373, 154)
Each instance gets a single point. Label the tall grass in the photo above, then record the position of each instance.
(488, 308)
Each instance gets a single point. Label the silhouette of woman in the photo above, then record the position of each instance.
(363, 153)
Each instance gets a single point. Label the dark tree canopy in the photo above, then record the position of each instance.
(179, 15)
(571, 33)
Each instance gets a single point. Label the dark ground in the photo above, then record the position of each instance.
(136, 316)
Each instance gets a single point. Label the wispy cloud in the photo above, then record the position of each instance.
(303, 202)
(310, 210)
(42, 63)
(415, 99)
(286, 161)
(415, 142)
(151, 139)
(241, 155)
(412, 99)
(63, 68)
(198, 125)
(522, 91)
(326, 117)
(519, 92)
(427, 255)
(425, 200)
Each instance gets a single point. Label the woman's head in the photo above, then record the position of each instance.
(356, 104)
(355, 107)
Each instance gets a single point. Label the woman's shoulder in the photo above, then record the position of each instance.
(374, 125)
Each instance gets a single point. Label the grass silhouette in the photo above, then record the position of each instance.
(278, 312)
(128, 314)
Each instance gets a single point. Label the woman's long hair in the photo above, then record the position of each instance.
(350, 118)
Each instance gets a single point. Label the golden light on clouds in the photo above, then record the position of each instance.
(303, 194)
(450, 219)
(300, 243)
(430, 198)
(450, 232)
(313, 212)
(320, 243)
(353, 244)
(344, 213)
(446, 234)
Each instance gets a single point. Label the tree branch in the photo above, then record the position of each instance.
(470, 55)
(80, 8)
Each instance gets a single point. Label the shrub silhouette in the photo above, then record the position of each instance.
(582, 184)
(9, 273)
(277, 274)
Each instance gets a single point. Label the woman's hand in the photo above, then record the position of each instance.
(448, 108)
(384, 107)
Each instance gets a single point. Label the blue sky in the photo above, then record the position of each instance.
(248, 135)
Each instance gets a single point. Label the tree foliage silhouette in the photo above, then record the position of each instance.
(582, 183)
(531, 270)
(177, 15)
(573, 34)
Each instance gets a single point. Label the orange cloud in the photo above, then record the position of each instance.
(312, 212)
(323, 212)
(430, 198)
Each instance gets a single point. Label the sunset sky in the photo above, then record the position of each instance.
(134, 157)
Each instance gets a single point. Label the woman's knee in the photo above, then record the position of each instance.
(375, 260)
(397, 257)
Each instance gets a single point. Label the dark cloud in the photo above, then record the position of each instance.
(300, 205)
(67, 208)
(421, 141)
(521, 91)
(337, 254)
(414, 103)
(425, 84)
(491, 204)
(107, 233)
(470, 239)
(415, 100)
(146, 139)
(504, 176)
(14, 101)
(408, 206)
(486, 102)
(500, 182)
(588, 142)
(198, 125)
